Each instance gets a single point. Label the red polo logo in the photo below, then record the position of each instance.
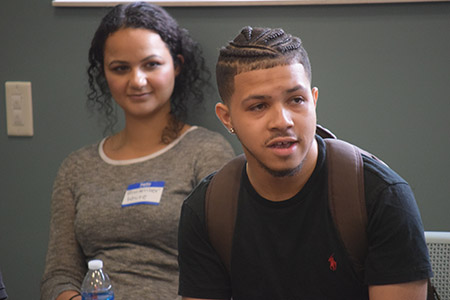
(333, 263)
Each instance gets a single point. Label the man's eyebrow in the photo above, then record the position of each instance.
(266, 97)
(256, 97)
(295, 89)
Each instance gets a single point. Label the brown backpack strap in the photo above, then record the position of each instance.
(221, 206)
(346, 199)
(325, 133)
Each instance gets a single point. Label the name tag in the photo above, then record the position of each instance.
(149, 192)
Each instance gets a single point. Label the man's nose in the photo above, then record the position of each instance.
(281, 117)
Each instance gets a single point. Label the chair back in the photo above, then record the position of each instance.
(438, 243)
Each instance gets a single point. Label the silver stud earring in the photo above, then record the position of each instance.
(232, 131)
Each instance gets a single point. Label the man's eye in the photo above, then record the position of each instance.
(257, 107)
(298, 99)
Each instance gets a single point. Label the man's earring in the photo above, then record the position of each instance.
(232, 131)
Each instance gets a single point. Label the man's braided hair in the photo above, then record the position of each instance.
(257, 48)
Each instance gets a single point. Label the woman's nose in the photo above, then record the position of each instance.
(138, 79)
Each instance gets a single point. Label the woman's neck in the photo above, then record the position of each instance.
(139, 138)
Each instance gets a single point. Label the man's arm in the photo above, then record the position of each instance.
(415, 290)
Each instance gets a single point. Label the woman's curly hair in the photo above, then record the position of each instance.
(189, 83)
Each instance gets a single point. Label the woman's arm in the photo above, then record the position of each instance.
(65, 265)
(69, 295)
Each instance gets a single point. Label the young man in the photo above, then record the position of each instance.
(285, 243)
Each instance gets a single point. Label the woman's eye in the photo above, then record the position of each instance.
(120, 69)
(152, 64)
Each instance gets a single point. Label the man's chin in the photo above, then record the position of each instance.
(287, 172)
(281, 171)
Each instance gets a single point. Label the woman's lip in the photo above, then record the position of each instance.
(139, 96)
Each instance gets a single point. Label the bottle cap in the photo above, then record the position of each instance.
(95, 264)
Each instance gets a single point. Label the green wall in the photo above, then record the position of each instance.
(382, 71)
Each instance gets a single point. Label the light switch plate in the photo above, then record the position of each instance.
(19, 108)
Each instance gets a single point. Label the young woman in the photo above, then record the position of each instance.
(119, 200)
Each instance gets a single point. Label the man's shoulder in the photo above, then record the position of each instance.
(383, 186)
(375, 170)
(195, 201)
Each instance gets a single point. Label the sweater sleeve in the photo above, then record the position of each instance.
(65, 262)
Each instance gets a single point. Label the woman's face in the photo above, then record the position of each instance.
(140, 72)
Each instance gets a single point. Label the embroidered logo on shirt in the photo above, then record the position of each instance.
(333, 263)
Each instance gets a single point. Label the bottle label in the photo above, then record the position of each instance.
(108, 295)
(148, 192)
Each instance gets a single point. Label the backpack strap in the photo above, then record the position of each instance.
(346, 199)
(221, 201)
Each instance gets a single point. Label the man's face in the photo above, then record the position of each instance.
(273, 113)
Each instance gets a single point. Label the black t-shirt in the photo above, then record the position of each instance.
(291, 250)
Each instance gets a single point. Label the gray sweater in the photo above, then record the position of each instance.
(137, 243)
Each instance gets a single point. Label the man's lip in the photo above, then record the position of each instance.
(279, 140)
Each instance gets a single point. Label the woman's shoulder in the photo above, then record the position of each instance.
(201, 140)
(199, 133)
(85, 155)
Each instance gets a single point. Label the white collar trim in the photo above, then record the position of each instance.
(143, 158)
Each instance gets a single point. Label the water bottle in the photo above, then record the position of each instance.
(96, 284)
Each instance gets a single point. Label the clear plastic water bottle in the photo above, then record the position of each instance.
(96, 284)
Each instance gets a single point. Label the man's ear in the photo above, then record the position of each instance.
(315, 94)
(223, 113)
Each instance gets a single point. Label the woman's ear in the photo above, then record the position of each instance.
(178, 64)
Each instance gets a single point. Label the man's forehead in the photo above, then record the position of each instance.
(293, 74)
(298, 67)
